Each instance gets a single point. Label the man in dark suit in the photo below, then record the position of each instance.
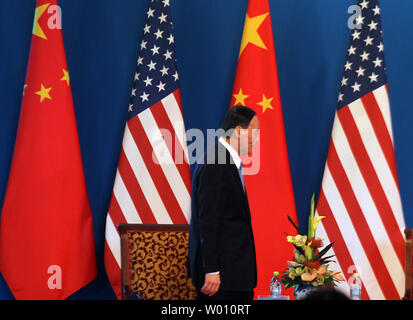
(222, 262)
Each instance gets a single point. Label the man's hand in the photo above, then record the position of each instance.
(211, 285)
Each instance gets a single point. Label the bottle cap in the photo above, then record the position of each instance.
(276, 273)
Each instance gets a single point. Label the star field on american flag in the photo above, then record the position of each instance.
(364, 70)
(156, 75)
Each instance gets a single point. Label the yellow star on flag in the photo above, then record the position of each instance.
(37, 30)
(240, 98)
(250, 34)
(266, 103)
(65, 77)
(44, 93)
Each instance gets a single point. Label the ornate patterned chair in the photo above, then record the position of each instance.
(409, 264)
(154, 262)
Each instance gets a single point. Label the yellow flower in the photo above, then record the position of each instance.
(312, 221)
(299, 271)
(314, 283)
(298, 240)
(308, 251)
(315, 223)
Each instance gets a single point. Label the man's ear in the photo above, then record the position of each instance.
(238, 131)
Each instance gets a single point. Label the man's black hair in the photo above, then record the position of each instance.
(237, 116)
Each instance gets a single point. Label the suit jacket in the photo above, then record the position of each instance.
(221, 237)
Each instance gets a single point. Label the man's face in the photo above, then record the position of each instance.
(248, 137)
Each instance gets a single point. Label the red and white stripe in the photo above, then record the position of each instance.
(361, 200)
(153, 181)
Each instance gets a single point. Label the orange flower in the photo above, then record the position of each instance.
(338, 276)
(316, 243)
(312, 264)
(307, 276)
(321, 270)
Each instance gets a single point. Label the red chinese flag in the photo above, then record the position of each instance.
(47, 246)
(270, 191)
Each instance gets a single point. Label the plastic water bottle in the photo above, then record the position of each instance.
(275, 286)
(355, 287)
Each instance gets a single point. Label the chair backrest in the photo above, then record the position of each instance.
(409, 264)
(154, 261)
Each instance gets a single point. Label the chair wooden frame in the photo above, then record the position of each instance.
(123, 229)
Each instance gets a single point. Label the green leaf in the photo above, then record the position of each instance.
(311, 219)
(292, 222)
(300, 249)
(288, 282)
(323, 261)
(324, 251)
(312, 204)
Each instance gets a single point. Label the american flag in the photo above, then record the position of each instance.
(360, 193)
(153, 182)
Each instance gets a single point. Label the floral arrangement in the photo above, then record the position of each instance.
(309, 266)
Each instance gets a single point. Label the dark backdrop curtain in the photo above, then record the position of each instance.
(102, 43)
